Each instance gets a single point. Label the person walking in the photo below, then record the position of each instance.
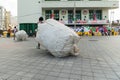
(9, 32)
(39, 22)
(14, 31)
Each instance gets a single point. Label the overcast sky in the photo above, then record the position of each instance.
(11, 5)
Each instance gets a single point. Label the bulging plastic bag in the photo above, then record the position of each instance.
(59, 39)
(21, 35)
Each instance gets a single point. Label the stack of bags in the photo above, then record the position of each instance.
(57, 38)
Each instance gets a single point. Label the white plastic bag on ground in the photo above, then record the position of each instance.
(21, 35)
(59, 39)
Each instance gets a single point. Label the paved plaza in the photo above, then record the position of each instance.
(99, 59)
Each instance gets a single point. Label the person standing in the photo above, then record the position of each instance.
(35, 32)
(14, 31)
(40, 22)
(9, 32)
(105, 31)
(112, 31)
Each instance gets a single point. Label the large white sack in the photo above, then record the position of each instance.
(57, 38)
(21, 35)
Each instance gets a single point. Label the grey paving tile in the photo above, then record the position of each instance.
(78, 72)
(64, 75)
(26, 78)
(99, 78)
(44, 72)
(36, 79)
(96, 61)
(118, 74)
(66, 71)
(29, 75)
(97, 71)
(87, 78)
(62, 78)
(74, 76)
(21, 73)
(5, 76)
(55, 74)
(39, 76)
(112, 76)
(101, 75)
(112, 79)
(15, 77)
(75, 79)
(51, 78)
(84, 73)
(56, 70)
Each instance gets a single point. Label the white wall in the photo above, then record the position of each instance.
(105, 13)
(28, 11)
(64, 15)
(83, 15)
(80, 4)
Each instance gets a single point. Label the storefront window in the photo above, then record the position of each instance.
(48, 14)
(99, 14)
(56, 14)
(91, 14)
(78, 14)
(70, 16)
(95, 14)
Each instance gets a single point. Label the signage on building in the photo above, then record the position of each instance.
(85, 12)
(63, 12)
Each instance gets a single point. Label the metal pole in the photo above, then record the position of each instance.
(111, 14)
(111, 18)
(74, 15)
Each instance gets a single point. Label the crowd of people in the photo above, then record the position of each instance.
(99, 31)
(9, 32)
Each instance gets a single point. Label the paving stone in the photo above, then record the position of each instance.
(101, 75)
(99, 78)
(64, 75)
(39, 76)
(98, 60)
(53, 74)
(50, 78)
(74, 76)
(87, 78)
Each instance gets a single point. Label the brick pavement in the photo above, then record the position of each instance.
(99, 59)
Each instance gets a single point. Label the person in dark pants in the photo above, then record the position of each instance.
(8, 32)
(30, 33)
(40, 22)
(109, 32)
(35, 32)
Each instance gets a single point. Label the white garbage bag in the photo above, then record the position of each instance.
(59, 39)
(21, 35)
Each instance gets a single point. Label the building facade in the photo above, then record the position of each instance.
(7, 19)
(14, 21)
(2, 17)
(79, 12)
